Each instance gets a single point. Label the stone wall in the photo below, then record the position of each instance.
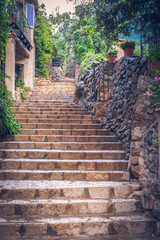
(126, 111)
(149, 174)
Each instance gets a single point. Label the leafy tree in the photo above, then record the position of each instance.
(43, 43)
(124, 16)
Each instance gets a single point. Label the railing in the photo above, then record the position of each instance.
(101, 80)
(19, 23)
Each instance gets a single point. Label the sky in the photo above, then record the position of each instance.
(52, 4)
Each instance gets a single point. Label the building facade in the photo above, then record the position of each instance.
(20, 49)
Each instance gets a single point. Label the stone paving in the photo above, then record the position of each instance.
(63, 177)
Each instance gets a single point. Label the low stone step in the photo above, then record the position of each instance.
(62, 145)
(75, 207)
(56, 112)
(53, 109)
(66, 190)
(59, 126)
(45, 120)
(76, 226)
(69, 175)
(47, 105)
(79, 132)
(61, 154)
(53, 116)
(60, 138)
(51, 164)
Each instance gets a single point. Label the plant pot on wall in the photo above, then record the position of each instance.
(129, 51)
(112, 58)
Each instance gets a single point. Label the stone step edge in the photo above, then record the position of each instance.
(76, 143)
(65, 201)
(36, 171)
(72, 151)
(63, 160)
(59, 184)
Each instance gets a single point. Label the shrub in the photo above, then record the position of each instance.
(89, 59)
(8, 125)
(127, 43)
(112, 52)
(154, 88)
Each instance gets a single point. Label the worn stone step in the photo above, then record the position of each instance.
(45, 120)
(66, 190)
(69, 175)
(85, 237)
(79, 132)
(59, 126)
(62, 145)
(61, 154)
(56, 112)
(47, 105)
(76, 226)
(53, 116)
(71, 207)
(62, 138)
(53, 109)
(51, 164)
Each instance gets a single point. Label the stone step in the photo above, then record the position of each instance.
(66, 190)
(61, 154)
(53, 116)
(68, 175)
(79, 112)
(47, 105)
(62, 145)
(79, 132)
(60, 138)
(59, 126)
(51, 164)
(85, 237)
(60, 109)
(45, 120)
(76, 226)
(71, 207)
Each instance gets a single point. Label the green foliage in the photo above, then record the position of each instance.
(155, 53)
(112, 52)
(8, 125)
(4, 27)
(44, 48)
(126, 16)
(78, 36)
(126, 44)
(88, 60)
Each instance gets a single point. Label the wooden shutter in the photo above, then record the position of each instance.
(30, 12)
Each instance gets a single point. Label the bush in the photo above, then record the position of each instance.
(127, 43)
(89, 59)
(8, 125)
(155, 54)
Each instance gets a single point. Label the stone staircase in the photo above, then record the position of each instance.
(63, 177)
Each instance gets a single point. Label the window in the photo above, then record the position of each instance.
(30, 14)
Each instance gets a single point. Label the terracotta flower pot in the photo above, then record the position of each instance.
(112, 58)
(128, 51)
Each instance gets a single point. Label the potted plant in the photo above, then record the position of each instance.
(112, 55)
(128, 47)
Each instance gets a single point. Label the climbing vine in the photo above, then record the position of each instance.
(8, 125)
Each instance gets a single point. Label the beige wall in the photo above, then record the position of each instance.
(29, 66)
(10, 63)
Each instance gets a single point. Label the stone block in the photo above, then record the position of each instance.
(147, 200)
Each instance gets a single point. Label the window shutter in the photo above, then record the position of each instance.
(30, 14)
